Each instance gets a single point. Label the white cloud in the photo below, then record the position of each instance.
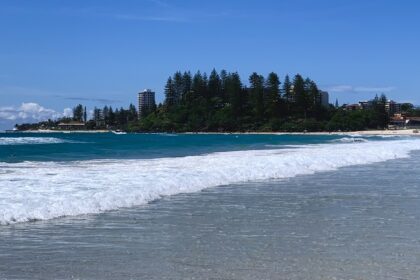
(67, 112)
(374, 89)
(31, 112)
(340, 88)
(359, 89)
(149, 18)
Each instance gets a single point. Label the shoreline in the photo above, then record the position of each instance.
(56, 131)
(400, 132)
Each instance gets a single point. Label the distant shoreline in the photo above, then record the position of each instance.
(57, 131)
(400, 132)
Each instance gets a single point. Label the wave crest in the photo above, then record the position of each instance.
(45, 190)
(350, 140)
(30, 140)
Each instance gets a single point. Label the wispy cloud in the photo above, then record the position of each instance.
(101, 100)
(150, 10)
(22, 91)
(359, 89)
(374, 89)
(340, 88)
(150, 18)
(160, 3)
(27, 93)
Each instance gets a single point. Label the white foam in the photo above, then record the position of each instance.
(30, 140)
(349, 140)
(46, 190)
(168, 134)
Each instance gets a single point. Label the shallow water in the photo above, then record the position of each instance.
(358, 222)
(42, 190)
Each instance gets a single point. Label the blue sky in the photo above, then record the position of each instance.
(56, 54)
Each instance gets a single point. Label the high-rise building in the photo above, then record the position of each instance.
(146, 102)
(324, 98)
(392, 107)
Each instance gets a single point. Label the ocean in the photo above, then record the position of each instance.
(209, 206)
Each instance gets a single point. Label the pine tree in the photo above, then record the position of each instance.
(111, 116)
(105, 112)
(132, 113)
(287, 86)
(204, 88)
(314, 99)
(299, 93)
(215, 84)
(178, 86)
(78, 113)
(223, 80)
(233, 87)
(84, 115)
(96, 114)
(257, 95)
(170, 98)
(198, 86)
(186, 82)
(273, 95)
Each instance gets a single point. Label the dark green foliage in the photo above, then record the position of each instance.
(84, 115)
(286, 89)
(235, 93)
(78, 113)
(256, 93)
(301, 95)
(273, 99)
(413, 112)
(132, 113)
(407, 107)
(357, 120)
(221, 103)
(170, 95)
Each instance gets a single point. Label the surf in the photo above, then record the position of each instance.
(45, 190)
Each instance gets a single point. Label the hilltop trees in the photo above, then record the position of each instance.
(222, 102)
(257, 96)
(170, 96)
(373, 117)
(78, 113)
(273, 100)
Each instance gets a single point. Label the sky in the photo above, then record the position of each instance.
(57, 54)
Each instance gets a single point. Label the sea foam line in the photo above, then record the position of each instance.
(31, 140)
(46, 190)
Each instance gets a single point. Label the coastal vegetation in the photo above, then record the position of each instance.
(222, 102)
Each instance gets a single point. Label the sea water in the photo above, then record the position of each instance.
(158, 206)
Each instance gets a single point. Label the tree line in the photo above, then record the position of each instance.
(105, 117)
(222, 102)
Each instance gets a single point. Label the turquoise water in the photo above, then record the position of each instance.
(163, 206)
(17, 147)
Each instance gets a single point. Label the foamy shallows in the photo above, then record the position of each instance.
(350, 140)
(30, 140)
(45, 190)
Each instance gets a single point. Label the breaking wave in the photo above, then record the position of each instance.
(45, 190)
(350, 140)
(30, 140)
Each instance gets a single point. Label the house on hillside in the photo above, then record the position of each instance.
(73, 125)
